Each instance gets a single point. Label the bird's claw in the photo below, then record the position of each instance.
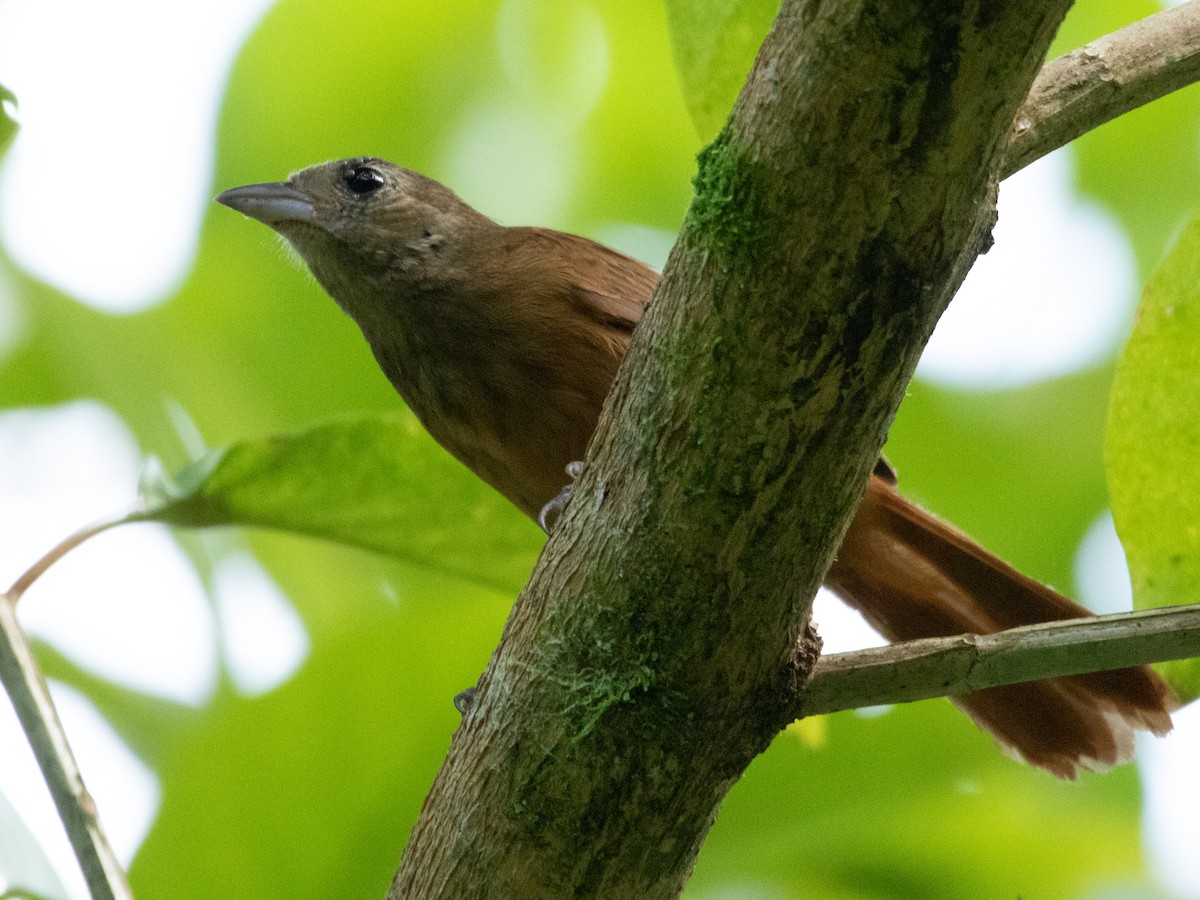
(559, 503)
(463, 700)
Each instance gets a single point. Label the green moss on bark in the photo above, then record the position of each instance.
(727, 211)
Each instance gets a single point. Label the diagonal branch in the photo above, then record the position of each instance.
(939, 667)
(1107, 78)
(653, 653)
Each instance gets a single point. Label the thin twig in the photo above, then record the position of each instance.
(1107, 78)
(38, 569)
(940, 667)
(26, 687)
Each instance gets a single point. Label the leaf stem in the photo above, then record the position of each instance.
(34, 572)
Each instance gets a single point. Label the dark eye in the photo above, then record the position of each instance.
(363, 180)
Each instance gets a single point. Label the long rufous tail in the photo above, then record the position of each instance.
(912, 576)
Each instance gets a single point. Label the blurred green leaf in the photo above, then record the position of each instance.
(309, 791)
(922, 816)
(365, 482)
(8, 125)
(158, 488)
(715, 42)
(1153, 440)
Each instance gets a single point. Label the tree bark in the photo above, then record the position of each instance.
(659, 644)
(1105, 79)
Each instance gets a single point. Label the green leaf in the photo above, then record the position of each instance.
(369, 482)
(715, 42)
(956, 789)
(8, 125)
(159, 488)
(1153, 439)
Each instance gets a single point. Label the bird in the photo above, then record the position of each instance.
(505, 340)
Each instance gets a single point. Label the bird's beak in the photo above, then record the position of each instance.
(274, 203)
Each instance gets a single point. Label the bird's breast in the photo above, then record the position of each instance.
(513, 408)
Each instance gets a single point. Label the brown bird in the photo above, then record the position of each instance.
(505, 342)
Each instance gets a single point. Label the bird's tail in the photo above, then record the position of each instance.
(912, 576)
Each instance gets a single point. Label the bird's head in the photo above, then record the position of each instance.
(355, 220)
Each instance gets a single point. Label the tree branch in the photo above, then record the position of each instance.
(939, 667)
(1105, 79)
(653, 653)
(26, 687)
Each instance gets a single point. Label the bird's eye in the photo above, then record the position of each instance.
(363, 180)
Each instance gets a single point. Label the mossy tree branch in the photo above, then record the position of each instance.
(655, 651)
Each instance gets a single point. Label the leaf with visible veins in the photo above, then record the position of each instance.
(1153, 440)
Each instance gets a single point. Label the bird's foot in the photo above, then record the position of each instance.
(463, 700)
(553, 510)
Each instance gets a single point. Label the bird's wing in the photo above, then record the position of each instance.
(615, 287)
(604, 283)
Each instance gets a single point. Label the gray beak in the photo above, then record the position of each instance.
(274, 203)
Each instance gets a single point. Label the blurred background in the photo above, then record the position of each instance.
(260, 714)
